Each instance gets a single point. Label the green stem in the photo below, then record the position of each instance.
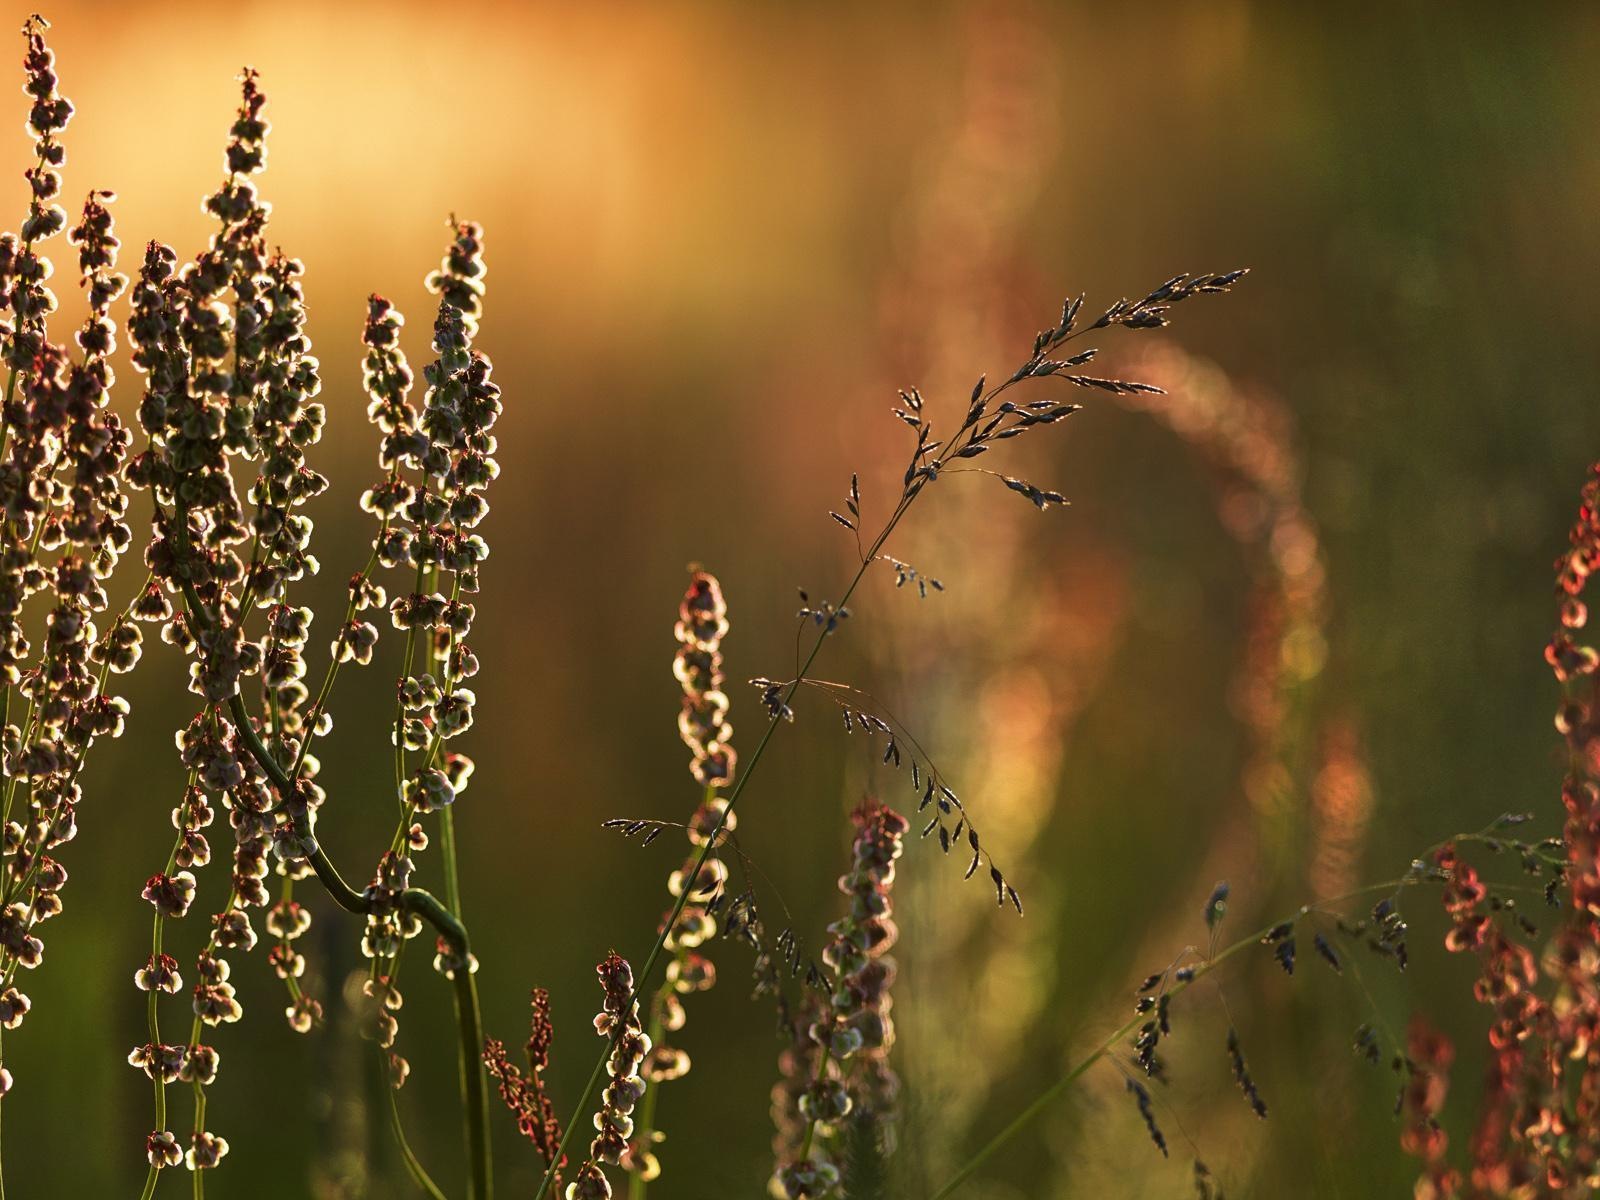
(811, 1125)
(645, 1124)
(469, 1015)
(469, 1020)
(414, 1166)
(199, 1127)
(642, 976)
(637, 1183)
(447, 850)
(155, 1040)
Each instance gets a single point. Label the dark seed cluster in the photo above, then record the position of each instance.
(1242, 1076)
(1147, 1112)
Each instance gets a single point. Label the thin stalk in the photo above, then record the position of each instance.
(5, 704)
(642, 976)
(199, 1126)
(414, 1167)
(469, 1020)
(469, 1016)
(811, 1125)
(447, 847)
(155, 1039)
(646, 1123)
(637, 1184)
(408, 1155)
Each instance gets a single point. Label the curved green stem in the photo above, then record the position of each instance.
(413, 900)
(414, 1168)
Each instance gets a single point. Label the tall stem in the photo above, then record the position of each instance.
(645, 1127)
(469, 1019)
(645, 1123)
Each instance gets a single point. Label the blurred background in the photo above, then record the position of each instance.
(1288, 633)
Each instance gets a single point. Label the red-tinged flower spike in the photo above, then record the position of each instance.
(525, 1095)
(1539, 1127)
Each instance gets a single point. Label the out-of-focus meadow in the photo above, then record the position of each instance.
(1288, 633)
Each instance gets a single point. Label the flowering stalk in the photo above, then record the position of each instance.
(23, 273)
(430, 523)
(703, 726)
(1537, 1126)
(717, 830)
(989, 420)
(62, 531)
(618, 1023)
(697, 665)
(221, 381)
(526, 1095)
(224, 380)
(853, 1034)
